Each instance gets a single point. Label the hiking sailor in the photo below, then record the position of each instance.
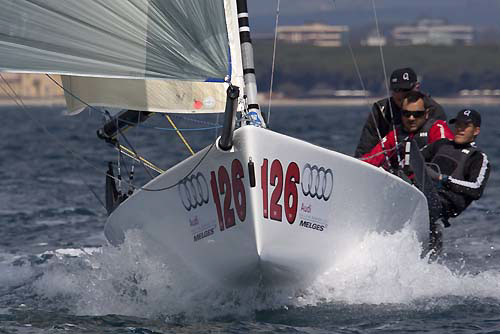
(402, 81)
(459, 168)
(416, 124)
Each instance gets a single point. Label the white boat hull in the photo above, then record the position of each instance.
(319, 204)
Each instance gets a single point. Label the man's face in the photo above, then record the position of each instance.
(413, 115)
(465, 132)
(398, 95)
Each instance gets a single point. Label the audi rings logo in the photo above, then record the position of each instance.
(193, 191)
(317, 182)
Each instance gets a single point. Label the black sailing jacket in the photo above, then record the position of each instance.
(468, 169)
(382, 114)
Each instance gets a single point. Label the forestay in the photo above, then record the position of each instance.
(155, 55)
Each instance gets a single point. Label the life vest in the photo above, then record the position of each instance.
(452, 161)
(422, 136)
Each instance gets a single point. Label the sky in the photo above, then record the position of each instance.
(482, 14)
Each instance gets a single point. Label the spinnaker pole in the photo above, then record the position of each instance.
(248, 66)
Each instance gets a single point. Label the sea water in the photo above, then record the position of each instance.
(57, 273)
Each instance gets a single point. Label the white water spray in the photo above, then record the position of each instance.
(381, 269)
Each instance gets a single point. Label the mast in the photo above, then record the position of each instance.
(248, 65)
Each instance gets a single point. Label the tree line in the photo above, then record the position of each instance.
(442, 70)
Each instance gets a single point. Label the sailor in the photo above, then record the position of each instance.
(459, 168)
(417, 125)
(402, 81)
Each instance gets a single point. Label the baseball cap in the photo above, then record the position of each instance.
(403, 78)
(467, 116)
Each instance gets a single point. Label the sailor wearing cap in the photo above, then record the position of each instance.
(416, 125)
(460, 168)
(402, 81)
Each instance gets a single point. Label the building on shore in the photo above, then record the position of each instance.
(433, 32)
(336, 93)
(373, 39)
(479, 92)
(29, 86)
(316, 34)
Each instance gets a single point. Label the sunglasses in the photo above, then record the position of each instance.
(415, 113)
(401, 90)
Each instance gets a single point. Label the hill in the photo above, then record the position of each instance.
(442, 70)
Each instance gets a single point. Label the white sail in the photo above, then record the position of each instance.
(155, 55)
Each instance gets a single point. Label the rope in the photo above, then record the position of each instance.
(85, 161)
(76, 97)
(131, 154)
(197, 120)
(273, 62)
(363, 87)
(132, 123)
(182, 179)
(372, 112)
(169, 129)
(385, 75)
(382, 152)
(180, 135)
(135, 153)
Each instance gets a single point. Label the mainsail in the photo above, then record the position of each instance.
(153, 55)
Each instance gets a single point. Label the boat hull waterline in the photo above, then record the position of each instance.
(305, 210)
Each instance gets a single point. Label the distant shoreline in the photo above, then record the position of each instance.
(58, 101)
(289, 102)
(361, 101)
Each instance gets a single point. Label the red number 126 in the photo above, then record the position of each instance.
(292, 178)
(229, 186)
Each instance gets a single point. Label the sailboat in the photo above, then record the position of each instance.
(255, 207)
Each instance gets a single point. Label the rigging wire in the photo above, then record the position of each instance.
(135, 153)
(180, 135)
(105, 113)
(132, 167)
(385, 76)
(197, 120)
(21, 105)
(372, 112)
(122, 149)
(135, 156)
(169, 129)
(383, 152)
(185, 177)
(76, 97)
(216, 126)
(273, 63)
(129, 153)
(19, 102)
(363, 87)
